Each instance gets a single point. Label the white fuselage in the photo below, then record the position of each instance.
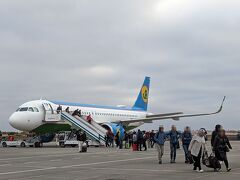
(31, 115)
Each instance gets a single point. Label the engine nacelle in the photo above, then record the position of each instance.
(114, 127)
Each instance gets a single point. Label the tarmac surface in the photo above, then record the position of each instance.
(56, 163)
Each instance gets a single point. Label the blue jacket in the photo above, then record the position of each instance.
(186, 138)
(174, 136)
(160, 138)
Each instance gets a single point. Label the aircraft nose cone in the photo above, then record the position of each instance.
(13, 120)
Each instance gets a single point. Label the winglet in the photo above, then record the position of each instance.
(221, 107)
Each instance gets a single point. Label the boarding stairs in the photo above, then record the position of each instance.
(93, 130)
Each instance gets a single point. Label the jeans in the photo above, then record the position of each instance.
(185, 148)
(197, 162)
(173, 153)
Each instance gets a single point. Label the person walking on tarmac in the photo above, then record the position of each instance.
(215, 133)
(174, 136)
(152, 135)
(78, 133)
(221, 146)
(159, 139)
(84, 139)
(186, 139)
(197, 148)
(81, 137)
(117, 139)
(139, 139)
(145, 139)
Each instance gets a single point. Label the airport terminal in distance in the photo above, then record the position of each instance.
(112, 153)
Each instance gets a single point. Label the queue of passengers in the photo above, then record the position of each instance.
(195, 147)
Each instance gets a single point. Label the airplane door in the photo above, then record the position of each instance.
(50, 116)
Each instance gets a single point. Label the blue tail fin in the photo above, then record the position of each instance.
(142, 100)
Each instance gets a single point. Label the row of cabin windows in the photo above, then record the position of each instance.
(110, 114)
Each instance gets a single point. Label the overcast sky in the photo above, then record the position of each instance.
(100, 51)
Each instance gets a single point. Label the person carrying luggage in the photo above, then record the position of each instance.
(186, 139)
(79, 139)
(197, 148)
(220, 147)
(159, 139)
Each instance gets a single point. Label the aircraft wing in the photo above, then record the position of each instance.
(175, 116)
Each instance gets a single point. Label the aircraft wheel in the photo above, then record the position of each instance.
(37, 144)
(61, 144)
(22, 144)
(4, 144)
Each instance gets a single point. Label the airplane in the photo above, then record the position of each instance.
(30, 116)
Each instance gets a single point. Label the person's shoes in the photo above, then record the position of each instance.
(200, 171)
(229, 169)
(186, 162)
(80, 151)
(171, 161)
(160, 162)
(174, 161)
(195, 168)
(216, 170)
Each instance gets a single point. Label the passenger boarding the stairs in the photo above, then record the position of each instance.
(89, 119)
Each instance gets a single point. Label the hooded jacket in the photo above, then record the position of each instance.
(197, 144)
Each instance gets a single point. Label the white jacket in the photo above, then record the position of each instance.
(196, 144)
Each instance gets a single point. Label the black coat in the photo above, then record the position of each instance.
(221, 146)
(214, 135)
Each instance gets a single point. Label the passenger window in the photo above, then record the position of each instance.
(30, 109)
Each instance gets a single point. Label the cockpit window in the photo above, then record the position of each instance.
(23, 109)
(36, 109)
(17, 109)
(30, 109)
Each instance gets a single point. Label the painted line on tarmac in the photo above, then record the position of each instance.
(1, 165)
(77, 165)
(55, 160)
(31, 162)
(143, 170)
(30, 170)
(53, 155)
